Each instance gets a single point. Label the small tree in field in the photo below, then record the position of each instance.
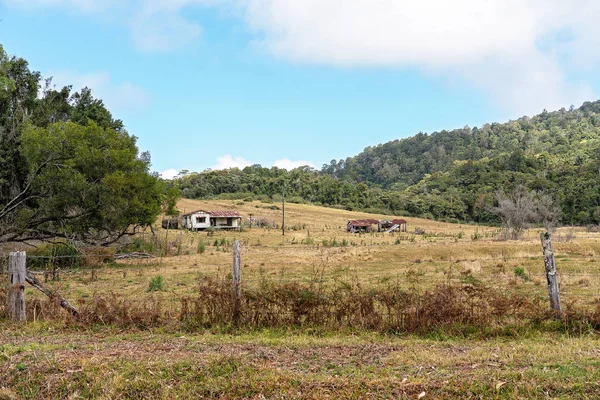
(522, 207)
(169, 207)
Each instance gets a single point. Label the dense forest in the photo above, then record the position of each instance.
(68, 169)
(450, 175)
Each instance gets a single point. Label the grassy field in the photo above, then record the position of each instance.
(321, 248)
(58, 358)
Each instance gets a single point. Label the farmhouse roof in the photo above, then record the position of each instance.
(228, 214)
(399, 221)
(196, 212)
(363, 222)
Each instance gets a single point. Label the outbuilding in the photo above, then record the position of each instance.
(371, 225)
(361, 225)
(201, 220)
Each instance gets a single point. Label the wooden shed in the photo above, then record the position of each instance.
(370, 225)
(362, 225)
(170, 223)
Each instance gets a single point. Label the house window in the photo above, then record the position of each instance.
(200, 220)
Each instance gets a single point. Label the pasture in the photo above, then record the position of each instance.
(177, 356)
(316, 246)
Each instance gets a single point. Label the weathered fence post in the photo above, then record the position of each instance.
(16, 291)
(237, 283)
(551, 277)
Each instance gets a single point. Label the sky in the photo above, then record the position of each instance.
(230, 83)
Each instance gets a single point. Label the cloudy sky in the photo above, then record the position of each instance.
(224, 83)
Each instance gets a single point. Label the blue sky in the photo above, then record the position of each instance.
(223, 83)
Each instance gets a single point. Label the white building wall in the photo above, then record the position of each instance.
(192, 221)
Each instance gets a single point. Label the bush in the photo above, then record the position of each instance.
(151, 244)
(263, 222)
(235, 196)
(295, 200)
(520, 273)
(388, 308)
(263, 198)
(98, 255)
(156, 284)
(201, 247)
(61, 255)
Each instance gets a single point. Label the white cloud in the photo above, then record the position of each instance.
(227, 162)
(522, 54)
(288, 164)
(169, 173)
(511, 50)
(116, 95)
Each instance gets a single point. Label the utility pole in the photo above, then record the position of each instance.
(283, 210)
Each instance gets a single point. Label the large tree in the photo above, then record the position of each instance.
(67, 168)
(83, 183)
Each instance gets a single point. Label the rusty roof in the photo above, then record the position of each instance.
(229, 214)
(363, 222)
(399, 221)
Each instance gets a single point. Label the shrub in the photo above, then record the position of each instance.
(117, 310)
(201, 247)
(263, 198)
(520, 273)
(235, 196)
(61, 255)
(156, 284)
(387, 308)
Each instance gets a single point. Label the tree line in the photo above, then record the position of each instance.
(451, 175)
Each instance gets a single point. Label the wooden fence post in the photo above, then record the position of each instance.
(237, 283)
(17, 274)
(551, 277)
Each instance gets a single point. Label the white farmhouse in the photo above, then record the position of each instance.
(201, 220)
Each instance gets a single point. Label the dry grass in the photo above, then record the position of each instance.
(42, 364)
(418, 262)
(343, 294)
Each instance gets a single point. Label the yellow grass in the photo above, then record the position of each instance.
(46, 360)
(447, 252)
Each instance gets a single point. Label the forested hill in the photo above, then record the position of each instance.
(569, 136)
(450, 175)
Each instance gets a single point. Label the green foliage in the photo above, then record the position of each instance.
(520, 273)
(469, 279)
(169, 204)
(67, 167)
(447, 175)
(156, 284)
(201, 247)
(93, 183)
(60, 255)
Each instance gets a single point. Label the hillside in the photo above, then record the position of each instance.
(447, 175)
(570, 136)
